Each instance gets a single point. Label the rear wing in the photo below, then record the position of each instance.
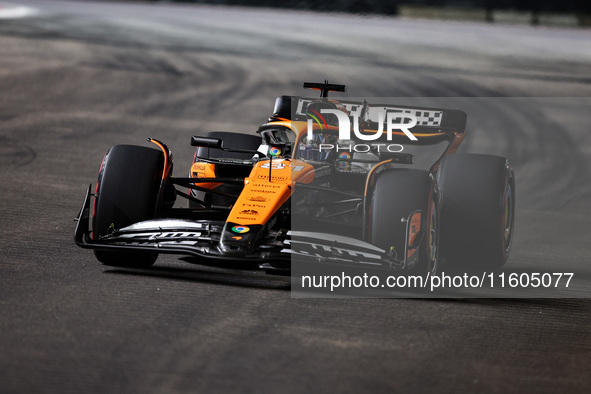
(325, 87)
(428, 120)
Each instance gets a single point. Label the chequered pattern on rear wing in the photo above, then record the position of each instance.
(428, 119)
(424, 117)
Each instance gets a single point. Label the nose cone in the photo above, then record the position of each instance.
(239, 239)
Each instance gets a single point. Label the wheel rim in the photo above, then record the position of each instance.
(433, 239)
(508, 218)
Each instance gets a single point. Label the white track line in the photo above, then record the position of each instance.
(9, 11)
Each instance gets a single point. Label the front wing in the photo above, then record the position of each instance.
(200, 239)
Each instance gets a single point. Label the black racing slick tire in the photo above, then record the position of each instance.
(396, 195)
(230, 141)
(478, 210)
(127, 190)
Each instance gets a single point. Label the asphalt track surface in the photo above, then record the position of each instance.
(79, 77)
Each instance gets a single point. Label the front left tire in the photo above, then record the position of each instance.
(127, 192)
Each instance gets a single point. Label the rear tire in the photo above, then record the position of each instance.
(397, 193)
(127, 189)
(478, 210)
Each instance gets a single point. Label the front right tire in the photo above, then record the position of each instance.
(398, 193)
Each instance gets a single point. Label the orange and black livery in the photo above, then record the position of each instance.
(323, 180)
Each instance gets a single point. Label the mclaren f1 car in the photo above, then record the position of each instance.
(322, 181)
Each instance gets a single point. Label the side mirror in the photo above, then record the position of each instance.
(206, 142)
(398, 157)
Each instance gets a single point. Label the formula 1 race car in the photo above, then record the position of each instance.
(322, 181)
